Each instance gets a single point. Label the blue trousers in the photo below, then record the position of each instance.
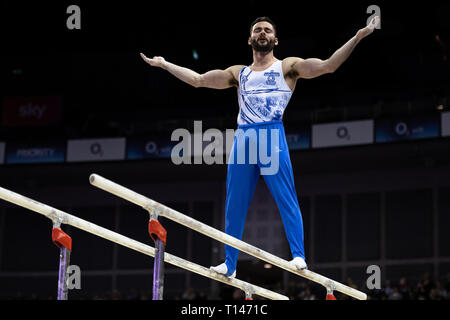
(242, 177)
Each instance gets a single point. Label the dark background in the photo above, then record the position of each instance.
(99, 72)
(381, 204)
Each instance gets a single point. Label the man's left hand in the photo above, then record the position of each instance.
(364, 32)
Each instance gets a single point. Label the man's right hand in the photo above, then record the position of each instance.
(155, 62)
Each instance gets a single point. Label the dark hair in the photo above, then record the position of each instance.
(267, 19)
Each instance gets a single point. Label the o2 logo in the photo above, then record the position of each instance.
(342, 133)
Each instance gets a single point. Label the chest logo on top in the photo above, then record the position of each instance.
(271, 77)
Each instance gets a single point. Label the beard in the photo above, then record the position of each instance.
(268, 46)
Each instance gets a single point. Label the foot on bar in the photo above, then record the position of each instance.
(223, 269)
(299, 263)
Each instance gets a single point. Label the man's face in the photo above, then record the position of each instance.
(262, 38)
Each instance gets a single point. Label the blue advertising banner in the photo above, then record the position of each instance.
(299, 140)
(141, 148)
(45, 152)
(407, 129)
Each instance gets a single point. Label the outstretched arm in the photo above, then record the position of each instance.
(313, 67)
(215, 79)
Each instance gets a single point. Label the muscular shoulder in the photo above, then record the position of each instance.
(289, 69)
(234, 71)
